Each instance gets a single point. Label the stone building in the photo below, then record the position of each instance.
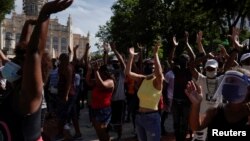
(59, 36)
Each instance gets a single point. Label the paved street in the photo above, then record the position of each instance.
(89, 134)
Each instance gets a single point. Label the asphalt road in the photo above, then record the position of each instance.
(88, 132)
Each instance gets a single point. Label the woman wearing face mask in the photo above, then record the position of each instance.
(226, 120)
(147, 120)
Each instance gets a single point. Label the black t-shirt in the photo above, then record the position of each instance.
(182, 76)
(17, 126)
(220, 128)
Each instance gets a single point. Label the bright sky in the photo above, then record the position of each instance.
(87, 15)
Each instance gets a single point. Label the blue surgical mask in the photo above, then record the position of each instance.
(10, 70)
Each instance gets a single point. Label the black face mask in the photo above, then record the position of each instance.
(115, 66)
(148, 70)
(183, 64)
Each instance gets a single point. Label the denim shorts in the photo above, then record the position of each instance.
(102, 115)
(148, 126)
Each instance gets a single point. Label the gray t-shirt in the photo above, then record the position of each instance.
(119, 92)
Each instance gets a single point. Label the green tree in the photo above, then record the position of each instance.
(104, 33)
(143, 21)
(5, 7)
(122, 23)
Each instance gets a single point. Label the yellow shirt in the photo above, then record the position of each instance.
(148, 95)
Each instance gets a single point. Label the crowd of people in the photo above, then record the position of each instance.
(207, 94)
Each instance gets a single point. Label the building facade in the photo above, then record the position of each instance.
(60, 37)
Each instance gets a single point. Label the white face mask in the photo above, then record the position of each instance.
(246, 67)
(9, 72)
(211, 74)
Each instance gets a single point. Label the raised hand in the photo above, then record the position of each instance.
(175, 42)
(186, 36)
(112, 46)
(106, 47)
(199, 37)
(156, 47)
(193, 92)
(55, 6)
(132, 51)
(223, 51)
(69, 50)
(76, 47)
(96, 65)
(235, 38)
(140, 46)
(87, 46)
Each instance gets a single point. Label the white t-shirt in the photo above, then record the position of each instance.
(209, 87)
(119, 93)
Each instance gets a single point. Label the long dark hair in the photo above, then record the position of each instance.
(107, 71)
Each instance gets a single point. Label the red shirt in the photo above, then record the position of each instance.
(100, 98)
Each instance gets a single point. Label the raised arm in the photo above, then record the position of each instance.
(107, 84)
(89, 80)
(75, 60)
(172, 52)
(158, 69)
(86, 55)
(27, 31)
(32, 72)
(128, 71)
(105, 53)
(140, 58)
(197, 122)
(118, 55)
(82, 61)
(4, 58)
(189, 48)
(192, 67)
(237, 47)
(199, 43)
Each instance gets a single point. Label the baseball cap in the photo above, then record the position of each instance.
(244, 57)
(114, 58)
(211, 63)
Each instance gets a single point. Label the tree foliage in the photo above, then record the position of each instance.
(5, 7)
(143, 21)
